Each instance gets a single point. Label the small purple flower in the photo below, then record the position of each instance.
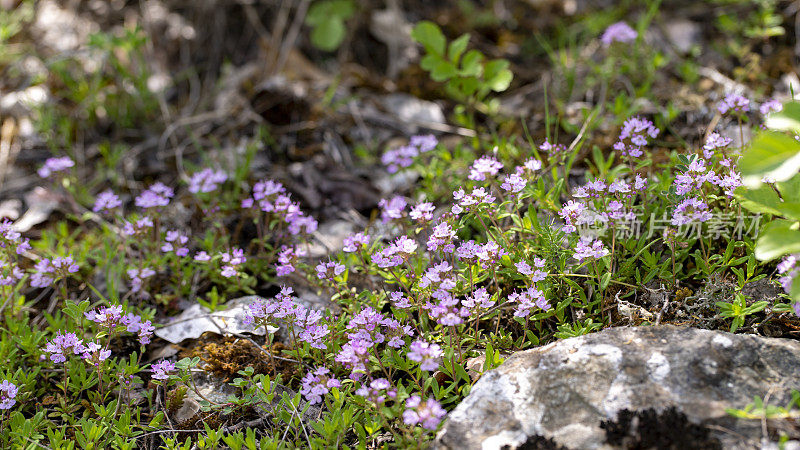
(8, 394)
(527, 300)
(328, 271)
(317, 384)
(378, 392)
(106, 202)
(161, 369)
(733, 102)
(690, 210)
(427, 354)
(422, 212)
(94, 353)
(207, 180)
(61, 346)
(156, 196)
(55, 165)
(633, 136)
(552, 149)
(588, 249)
(392, 209)
(770, 106)
(108, 316)
(618, 32)
(138, 276)
(399, 158)
(483, 167)
(788, 269)
(355, 242)
(424, 143)
(427, 414)
(513, 183)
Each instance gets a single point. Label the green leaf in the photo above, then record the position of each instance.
(786, 120)
(457, 48)
(328, 35)
(777, 239)
(430, 36)
(471, 64)
(790, 190)
(771, 154)
(443, 70)
(326, 10)
(763, 199)
(497, 75)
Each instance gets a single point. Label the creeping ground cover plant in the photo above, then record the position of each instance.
(499, 245)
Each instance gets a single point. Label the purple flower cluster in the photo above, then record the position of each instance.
(480, 300)
(788, 269)
(536, 274)
(699, 172)
(552, 150)
(207, 180)
(55, 165)
(478, 199)
(134, 324)
(304, 322)
(272, 198)
(106, 202)
(484, 167)
(355, 242)
(287, 258)
(714, 141)
(62, 345)
(8, 394)
(513, 183)
(528, 299)
(633, 136)
(48, 271)
(328, 271)
(138, 228)
(11, 241)
(427, 355)
(618, 32)
(393, 208)
(422, 213)
(231, 261)
(442, 238)
(403, 157)
(111, 317)
(378, 391)
(733, 103)
(395, 253)
(770, 106)
(174, 242)
(94, 353)
(138, 276)
(427, 414)
(586, 248)
(161, 370)
(317, 384)
(156, 196)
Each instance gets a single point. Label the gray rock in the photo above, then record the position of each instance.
(683, 34)
(563, 391)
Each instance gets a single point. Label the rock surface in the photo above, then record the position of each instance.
(668, 377)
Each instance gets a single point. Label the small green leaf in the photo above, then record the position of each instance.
(328, 35)
(497, 75)
(457, 48)
(430, 36)
(772, 154)
(471, 64)
(778, 238)
(787, 119)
